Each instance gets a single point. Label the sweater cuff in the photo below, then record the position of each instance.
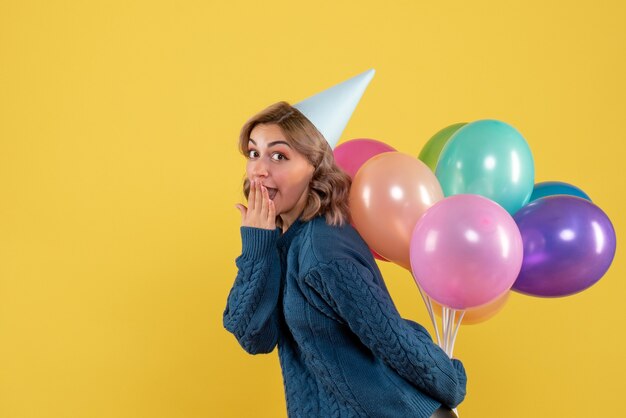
(258, 242)
(460, 372)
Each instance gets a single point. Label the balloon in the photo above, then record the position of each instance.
(351, 155)
(374, 253)
(388, 195)
(481, 313)
(489, 158)
(465, 251)
(551, 188)
(431, 151)
(378, 256)
(569, 243)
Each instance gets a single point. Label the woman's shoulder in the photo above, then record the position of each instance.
(320, 230)
(333, 242)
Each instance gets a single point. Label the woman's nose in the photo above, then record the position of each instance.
(259, 169)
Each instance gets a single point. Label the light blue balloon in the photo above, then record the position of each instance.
(489, 158)
(551, 188)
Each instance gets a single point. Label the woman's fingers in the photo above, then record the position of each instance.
(252, 195)
(265, 203)
(261, 211)
(272, 214)
(243, 210)
(268, 213)
(258, 199)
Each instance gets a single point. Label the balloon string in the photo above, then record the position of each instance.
(449, 324)
(429, 308)
(433, 319)
(451, 317)
(451, 330)
(456, 331)
(446, 344)
(444, 326)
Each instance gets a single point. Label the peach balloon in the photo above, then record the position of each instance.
(389, 193)
(480, 313)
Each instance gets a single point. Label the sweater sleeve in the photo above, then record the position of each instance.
(350, 289)
(460, 369)
(251, 314)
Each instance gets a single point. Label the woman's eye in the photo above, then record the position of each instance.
(278, 157)
(251, 153)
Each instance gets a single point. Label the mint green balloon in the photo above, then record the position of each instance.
(432, 150)
(489, 158)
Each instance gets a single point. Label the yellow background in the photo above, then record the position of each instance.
(119, 173)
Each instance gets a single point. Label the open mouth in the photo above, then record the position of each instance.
(271, 192)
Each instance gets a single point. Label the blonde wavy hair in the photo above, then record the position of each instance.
(329, 188)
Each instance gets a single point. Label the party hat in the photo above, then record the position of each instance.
(331, 109)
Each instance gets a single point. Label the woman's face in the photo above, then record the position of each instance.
(280, 168)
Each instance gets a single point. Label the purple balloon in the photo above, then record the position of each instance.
(569, 244)
(351, 155)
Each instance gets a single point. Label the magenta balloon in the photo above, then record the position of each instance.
(351, 155)
(466, 251)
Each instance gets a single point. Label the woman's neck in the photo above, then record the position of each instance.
(286, 223)
(288, 218)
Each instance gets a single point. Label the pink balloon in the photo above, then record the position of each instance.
(466, 251)
(351, 155)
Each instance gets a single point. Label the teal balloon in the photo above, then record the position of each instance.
(552, 188)
(489, 158)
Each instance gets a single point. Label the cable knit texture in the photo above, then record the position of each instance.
(317, 293)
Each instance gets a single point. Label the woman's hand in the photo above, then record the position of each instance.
(261, 213)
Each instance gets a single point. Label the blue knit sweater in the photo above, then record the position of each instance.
(317, 293)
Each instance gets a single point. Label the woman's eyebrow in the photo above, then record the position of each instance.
(271, 144)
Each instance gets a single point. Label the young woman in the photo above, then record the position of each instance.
(307, 283)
